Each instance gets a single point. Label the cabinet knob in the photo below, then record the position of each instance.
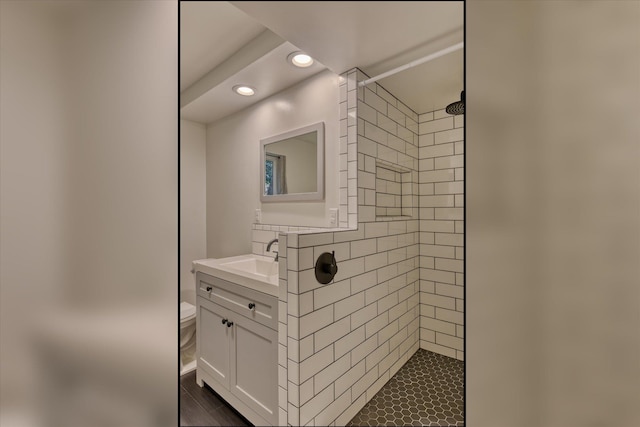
(229, 324)
(224, 321)
(209, 288)
(251, 306)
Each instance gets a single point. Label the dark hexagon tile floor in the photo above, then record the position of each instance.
(427, 391)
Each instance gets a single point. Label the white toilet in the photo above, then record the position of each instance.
(187, 337)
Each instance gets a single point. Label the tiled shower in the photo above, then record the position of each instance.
(399, 286)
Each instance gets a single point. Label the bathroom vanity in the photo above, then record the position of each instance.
(237, 333)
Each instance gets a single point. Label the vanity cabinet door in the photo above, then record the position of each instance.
(213, 341)
(254, 377)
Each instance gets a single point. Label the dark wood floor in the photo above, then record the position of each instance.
(428, 390)
(203, 407)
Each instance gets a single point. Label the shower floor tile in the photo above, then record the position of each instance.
(427, 391)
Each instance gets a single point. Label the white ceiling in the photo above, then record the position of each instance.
(220, 100)
(210, 32)
(223, 42)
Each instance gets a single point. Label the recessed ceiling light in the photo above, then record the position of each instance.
(244, 90)
(300, 59)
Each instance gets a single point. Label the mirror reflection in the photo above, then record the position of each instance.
(292, 165)
(298, 174)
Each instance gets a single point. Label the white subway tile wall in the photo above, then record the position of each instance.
(441, 181)
(355, 333)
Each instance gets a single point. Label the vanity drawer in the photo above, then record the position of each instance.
(239, 298)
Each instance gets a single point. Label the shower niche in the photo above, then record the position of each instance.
(394, 190)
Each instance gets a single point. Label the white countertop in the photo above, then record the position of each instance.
(220, 268)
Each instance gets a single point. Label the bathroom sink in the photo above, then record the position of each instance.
(253, 271)
(254, 265)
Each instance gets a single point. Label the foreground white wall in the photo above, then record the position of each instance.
(89, 211)
(122, 168)
(33, 185)
(233, 162)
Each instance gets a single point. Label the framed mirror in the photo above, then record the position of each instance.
(292, 165)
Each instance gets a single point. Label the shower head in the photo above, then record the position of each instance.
(457, 107)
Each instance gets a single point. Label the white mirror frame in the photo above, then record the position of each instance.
(296, 197)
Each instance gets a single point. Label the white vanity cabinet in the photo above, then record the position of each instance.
(237, 346)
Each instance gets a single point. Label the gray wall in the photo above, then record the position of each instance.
(193, 203)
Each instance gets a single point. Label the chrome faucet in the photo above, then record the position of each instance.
(269, 248)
